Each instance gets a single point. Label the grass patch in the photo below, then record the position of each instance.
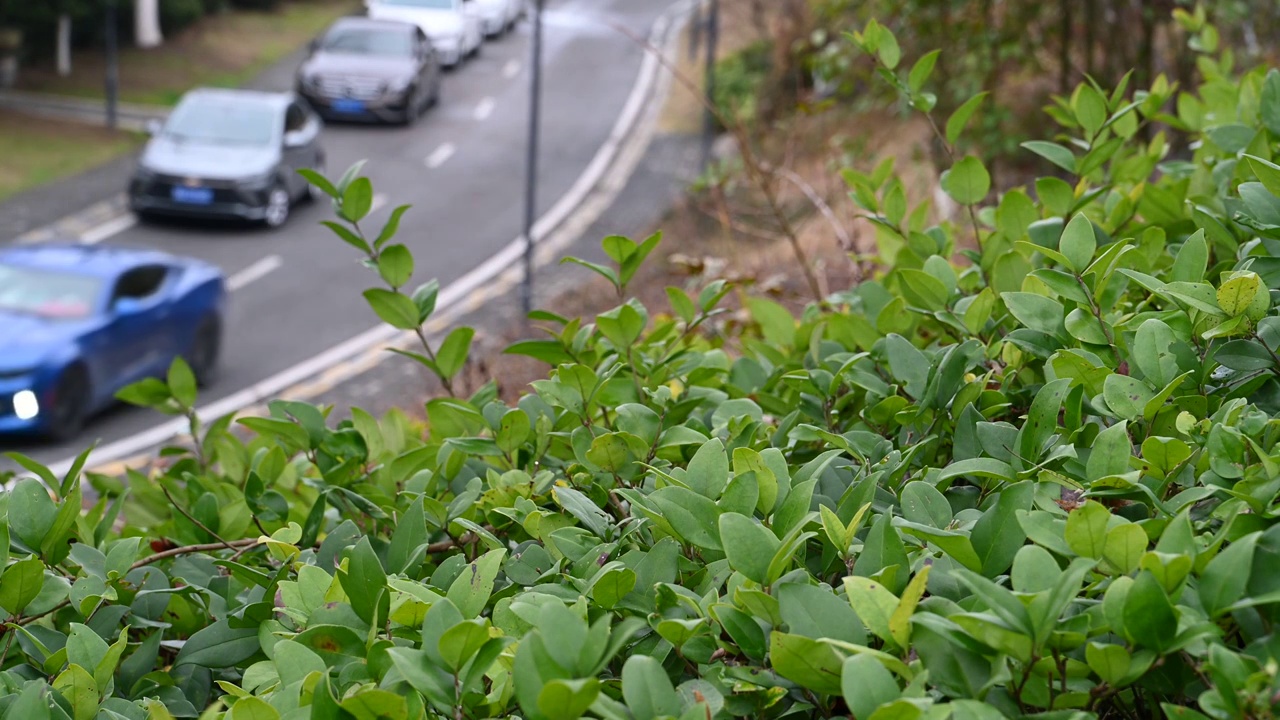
(224, 50)
(39, 151)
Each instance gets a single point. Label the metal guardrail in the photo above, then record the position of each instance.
(130, 116)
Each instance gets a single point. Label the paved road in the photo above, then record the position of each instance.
(297, 290)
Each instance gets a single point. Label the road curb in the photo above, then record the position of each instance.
(603, 179)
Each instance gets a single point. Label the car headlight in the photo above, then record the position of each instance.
(26, 405)
(400, 84)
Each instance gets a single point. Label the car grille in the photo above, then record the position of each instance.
(356, 88)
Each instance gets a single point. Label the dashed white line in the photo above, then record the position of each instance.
(511, 69)
(440, 155)
(110, 228)
(485, 108)
(254, 272)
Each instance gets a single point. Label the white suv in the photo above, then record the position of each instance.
(454, 26)
(499, 16)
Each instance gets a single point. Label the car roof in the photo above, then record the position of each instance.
(275, 99)
(359, 22)
(95, 260)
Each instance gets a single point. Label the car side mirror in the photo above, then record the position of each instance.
(295, 139)
(127, 306)
(154, 127)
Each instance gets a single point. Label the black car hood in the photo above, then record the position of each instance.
(324, 64)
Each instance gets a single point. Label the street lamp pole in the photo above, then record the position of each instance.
(708, 117)
(531, 164)
(113, 63)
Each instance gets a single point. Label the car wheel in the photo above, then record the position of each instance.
(68, 405)
(202, 356)
(278, 206)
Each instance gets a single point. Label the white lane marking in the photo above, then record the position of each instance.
(379, 202)
(440, 155)
(254, 272)
(485, 108)
(110, 228)
(511, 69)
(451, 295)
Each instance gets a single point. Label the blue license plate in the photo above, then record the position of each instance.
(193, 195)
(349, 106)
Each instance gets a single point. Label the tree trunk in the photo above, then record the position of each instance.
(146, 23)
(1064, 50)
(64, 44)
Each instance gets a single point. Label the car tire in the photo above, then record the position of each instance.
(206, 345)
(69, 409)
(279, 204)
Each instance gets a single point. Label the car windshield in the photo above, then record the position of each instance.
(425, 4)
(49, 294)
(223, 121)
(369, 41)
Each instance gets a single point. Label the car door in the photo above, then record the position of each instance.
(428, 65)
(301, 143)
(141, 337)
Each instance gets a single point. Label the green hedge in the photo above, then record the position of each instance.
(1034, 477)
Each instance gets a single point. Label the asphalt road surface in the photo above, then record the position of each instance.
(296, 290)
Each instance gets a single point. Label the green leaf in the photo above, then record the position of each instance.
(809, 663)
(1110, 662)
(567, 699)
(397, 310)
(1042, 419)
(391, 227)
(219, 646)
(908, 365)
(873, 603)
(776, 322)
(1124, 547)
(1054, 153)
(1192, 259)
(900, 620)
(1237, 294)
(347, 236)
(357, 200)
(1087, 529)
(1149, 616)
(20, 584)
(365, 581)
(1154, 352)
(960, 118)
(1036, 311)
(320, 181)
(1090, 109)
(867, 685)
(252, 708)
(1268, 172)
(1226, 578)
(1110, 453)
(922, 503)
(1078, 243)
(748, 545)
(31, 512)
(922, 69)
(967, 182)
(647, 689)
(471, 590)
(453, 352)
(424, 299)
(395, 265)
(182, 382)
(1126, 396)
(997, 536)
(708, 471)
(461, 642)
(76, 685)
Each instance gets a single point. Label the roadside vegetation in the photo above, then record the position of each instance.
(1023, 464)
(36, 152)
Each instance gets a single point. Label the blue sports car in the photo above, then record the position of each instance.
(79, 322)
